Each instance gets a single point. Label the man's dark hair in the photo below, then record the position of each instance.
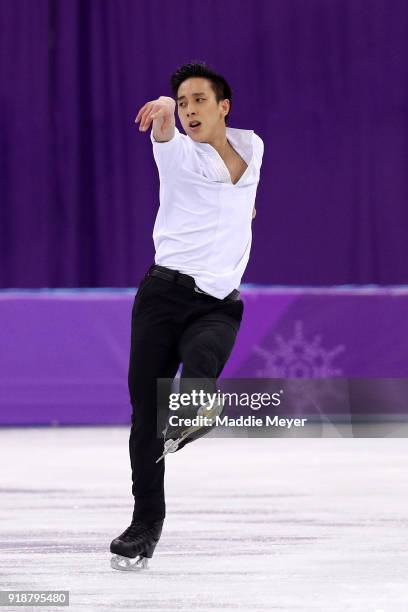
(219, 85)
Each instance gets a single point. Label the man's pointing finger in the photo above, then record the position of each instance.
(140, 112)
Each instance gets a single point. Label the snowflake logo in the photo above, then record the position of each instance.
(298, 359)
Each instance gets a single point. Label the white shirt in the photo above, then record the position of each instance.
(203, 225)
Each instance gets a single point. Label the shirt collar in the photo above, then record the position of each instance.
(241, 141)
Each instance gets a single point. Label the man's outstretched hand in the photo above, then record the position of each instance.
(161, 110)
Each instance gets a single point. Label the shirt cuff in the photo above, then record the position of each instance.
(167, 142)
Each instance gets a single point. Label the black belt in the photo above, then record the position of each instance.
(174, 276)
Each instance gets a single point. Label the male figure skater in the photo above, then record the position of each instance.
(188, 308)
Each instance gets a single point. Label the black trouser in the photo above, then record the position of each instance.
(171, 324)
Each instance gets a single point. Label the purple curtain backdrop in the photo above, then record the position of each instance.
(324, 83)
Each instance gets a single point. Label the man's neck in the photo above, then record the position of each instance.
(220, 143)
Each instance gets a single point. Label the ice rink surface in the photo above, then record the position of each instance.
(252, 524)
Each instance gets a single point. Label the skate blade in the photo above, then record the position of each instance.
(125, 564)
(170, 446)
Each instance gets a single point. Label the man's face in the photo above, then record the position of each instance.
(196, 102)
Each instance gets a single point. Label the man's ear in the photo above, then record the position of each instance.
(225, 106)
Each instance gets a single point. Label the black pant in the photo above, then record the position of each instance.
(171, 324)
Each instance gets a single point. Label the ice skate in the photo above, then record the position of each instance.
(135, 545)
(177, 437)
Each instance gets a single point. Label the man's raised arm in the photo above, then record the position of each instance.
(161, 112)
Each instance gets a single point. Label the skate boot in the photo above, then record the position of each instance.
(135, 545)
(175, 438)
